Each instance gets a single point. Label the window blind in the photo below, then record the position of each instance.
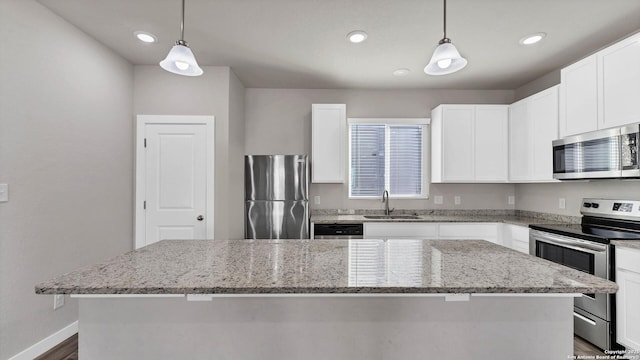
(387, 157)
(405, 160)
(367, 160)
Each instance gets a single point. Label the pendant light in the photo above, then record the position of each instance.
(180, 59)
(446, 59)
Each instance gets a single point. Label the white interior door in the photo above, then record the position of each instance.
(175, 167)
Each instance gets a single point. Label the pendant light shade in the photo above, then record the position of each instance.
(445, 59)
(180, 59)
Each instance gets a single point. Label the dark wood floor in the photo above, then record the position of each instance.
(68, 350)
(581, 347)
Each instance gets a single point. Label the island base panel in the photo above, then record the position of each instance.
(327, 328)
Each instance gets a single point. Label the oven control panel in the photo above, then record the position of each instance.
(625, 209)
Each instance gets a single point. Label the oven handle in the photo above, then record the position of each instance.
(575, 314)
(572, 244)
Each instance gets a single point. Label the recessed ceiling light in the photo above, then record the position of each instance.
(357, 36)
(145, 37)
(401, 72)
(532, 39)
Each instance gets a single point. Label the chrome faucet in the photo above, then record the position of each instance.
(385, 200)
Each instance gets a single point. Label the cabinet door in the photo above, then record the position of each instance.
(543, 115)
(466, 231)
(579, 97)
(491, 143)
(399, 230)
(458, 142)
(516, 237)
(627, 309)
(520, 148)
(619, 76)
(328, 133)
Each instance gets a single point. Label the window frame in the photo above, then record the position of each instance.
(425, 122)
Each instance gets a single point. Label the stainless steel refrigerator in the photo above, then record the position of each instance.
(276, 197)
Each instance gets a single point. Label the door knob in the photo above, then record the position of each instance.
(200, 218)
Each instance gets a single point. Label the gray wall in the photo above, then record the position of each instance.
(66, 145)
(235, 205)
(278, 121)
(545, 197)
(216, 93)
(544, 82)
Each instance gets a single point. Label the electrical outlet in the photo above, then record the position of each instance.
(438, 200)
(58, 301)
(456, 200)
(4, 192)
(316, 199)
(562, 203)
(511, 200)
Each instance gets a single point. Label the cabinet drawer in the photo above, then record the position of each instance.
(520, 233)
(465, 231)
(400, 230)
(521, 246)
(628, 259)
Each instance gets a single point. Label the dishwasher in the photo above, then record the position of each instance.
(337, 231)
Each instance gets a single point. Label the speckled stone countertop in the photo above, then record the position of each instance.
(324, 266)
(509, 219)
(633, 244)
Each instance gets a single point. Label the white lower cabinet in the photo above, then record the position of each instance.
(400, 230)
(418, 230)
(628, 297)
(512, 236)
(516, 237)
(470, 231)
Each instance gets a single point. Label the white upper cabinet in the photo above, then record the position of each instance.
(491, 143)
(579, 97)
(469, 143)
(533, 125)
(601, 91)
(619, 79)
(328, 143)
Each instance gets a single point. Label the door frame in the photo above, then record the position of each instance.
(140, 164)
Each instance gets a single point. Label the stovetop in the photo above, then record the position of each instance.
(603, 220)
(588, 232)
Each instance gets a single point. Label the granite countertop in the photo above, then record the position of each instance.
(509, 219)
(632, 244)
(324, 266)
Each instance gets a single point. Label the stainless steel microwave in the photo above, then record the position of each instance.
(610, 153)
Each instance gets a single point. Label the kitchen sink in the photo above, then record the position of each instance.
(392, 217)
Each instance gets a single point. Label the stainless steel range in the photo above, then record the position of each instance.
(586, 247)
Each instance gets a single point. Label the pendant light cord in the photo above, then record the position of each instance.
(445, 19)
(182, 23)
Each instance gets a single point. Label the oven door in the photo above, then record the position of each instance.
(582, 255)
(591, 155)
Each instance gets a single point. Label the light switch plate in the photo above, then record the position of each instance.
(457, 200)
(511, 200)
(4, 192)
(437, 200)
(316, 199)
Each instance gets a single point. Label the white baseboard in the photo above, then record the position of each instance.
(47, 343)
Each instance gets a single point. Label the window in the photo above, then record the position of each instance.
(387, 154)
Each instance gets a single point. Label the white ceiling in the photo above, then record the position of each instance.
(302, 43)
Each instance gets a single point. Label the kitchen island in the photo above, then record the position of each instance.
(325, 299)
